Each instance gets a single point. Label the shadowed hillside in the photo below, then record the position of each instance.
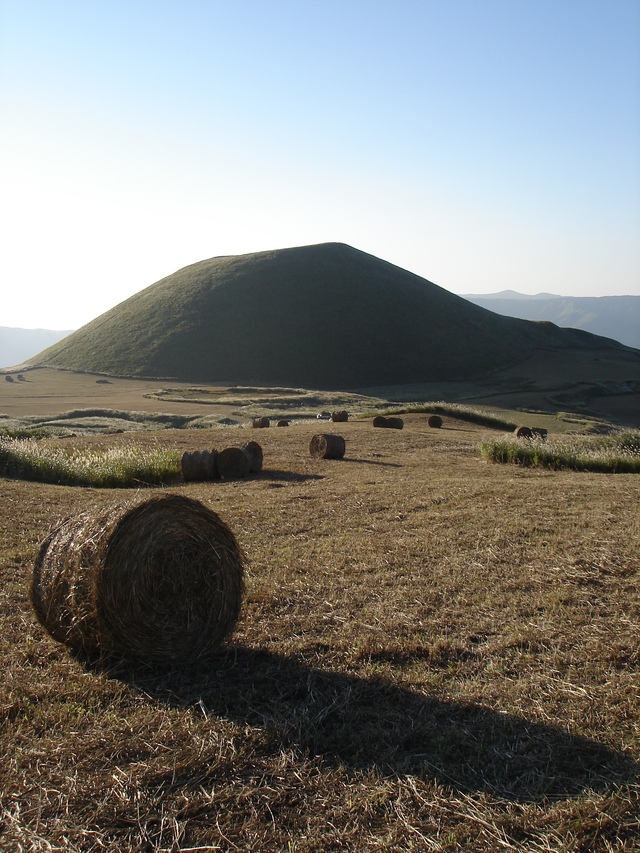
(322, 316)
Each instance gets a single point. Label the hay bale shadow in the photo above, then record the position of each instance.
(368, 723)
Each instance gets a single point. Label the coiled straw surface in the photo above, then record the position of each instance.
(253, 451)
(327, 446)
(160, 581)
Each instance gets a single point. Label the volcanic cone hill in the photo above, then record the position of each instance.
(321, 316)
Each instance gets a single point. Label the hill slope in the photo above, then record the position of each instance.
(615, 317)
(322, 316)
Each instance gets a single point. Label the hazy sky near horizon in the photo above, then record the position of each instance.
(482, 144)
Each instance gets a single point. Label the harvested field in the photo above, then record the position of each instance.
(435, 653)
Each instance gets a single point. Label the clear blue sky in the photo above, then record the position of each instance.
(483, 144)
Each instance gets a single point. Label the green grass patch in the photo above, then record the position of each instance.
(129, 466)
(617, 453)
(453, 410)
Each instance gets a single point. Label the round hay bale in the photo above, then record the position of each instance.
(260, 423)
(435, 421)
(8, 378)
(327, 446)
(254, 453)
(232, 463)
(523, 432)
(539, 432)
(340, 416)
(380, 421)
(395, 423)
(159, 581)
(190, 466)
(283, 423)
(198, 465)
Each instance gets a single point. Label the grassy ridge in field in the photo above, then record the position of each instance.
(434, 654)
(326, 316)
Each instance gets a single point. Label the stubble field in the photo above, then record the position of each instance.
(434, 653)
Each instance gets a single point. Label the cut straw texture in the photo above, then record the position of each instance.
(341, 416)
(388, 423)
(327, 446)
(198, 465)
(159, 581)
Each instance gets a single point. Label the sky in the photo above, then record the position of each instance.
(482, 144)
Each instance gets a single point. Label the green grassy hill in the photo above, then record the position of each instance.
(322, 316)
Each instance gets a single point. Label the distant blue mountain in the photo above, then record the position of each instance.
(616, 317)
(17, 345)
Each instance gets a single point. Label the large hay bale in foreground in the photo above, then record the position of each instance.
(380, 422)
(327, 446)
(159, 581)
(539, 432)
(435, 421)
(254, 454)
(233, 463)
(260, 423)
(341, 416)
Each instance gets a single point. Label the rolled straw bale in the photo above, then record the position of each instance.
(340, 416)
(435, 421)
(232, 463)
(254, 453)
(198, 465)
(190, 466)
(327, 446)
(539, 432)
(283, 423)
(395, 423)
(523, 432)
(159, 581)
(380, 421)
(260, 423)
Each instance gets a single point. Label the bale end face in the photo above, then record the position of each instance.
(233, 463)
(435, 421)
(327, 446)
(253, 452)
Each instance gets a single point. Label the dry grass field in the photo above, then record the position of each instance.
(435, 653)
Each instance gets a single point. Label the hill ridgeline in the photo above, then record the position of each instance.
(325, 316)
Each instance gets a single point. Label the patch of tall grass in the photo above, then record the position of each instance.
(455, 410)
(128, 466)
(614, 453)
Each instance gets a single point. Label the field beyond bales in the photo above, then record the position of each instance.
(435, 653)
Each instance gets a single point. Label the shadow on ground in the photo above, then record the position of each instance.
(363, 723)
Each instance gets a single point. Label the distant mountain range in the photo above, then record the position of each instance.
(17, 345)
(616, 317)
